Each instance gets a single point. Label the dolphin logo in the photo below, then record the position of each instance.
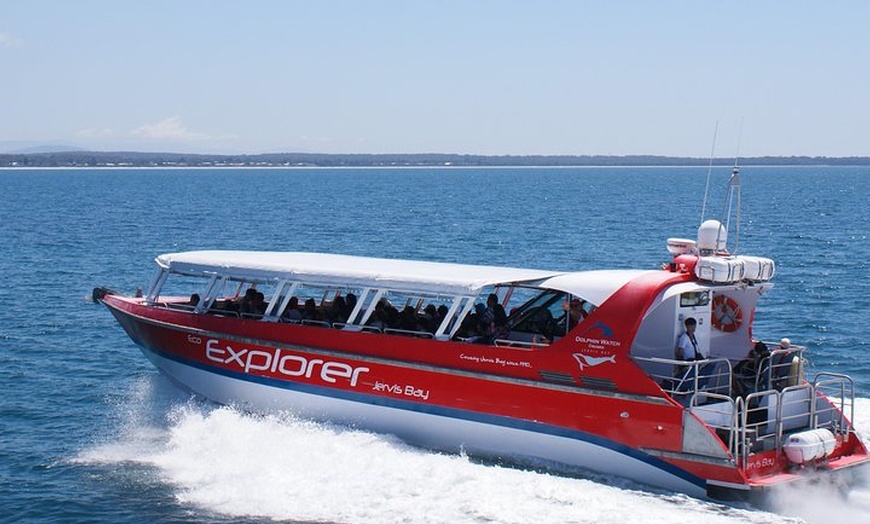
(605, 329)
(586, 361)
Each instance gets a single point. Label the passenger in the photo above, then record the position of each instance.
(408, 320)
(687, 344)
(745, 376)
(310, 311)
(379, 318)
(468, 329)
(232, 305)
(785, 365)
(479, 310)
(687, 349)
(574, 312)
(350, 305)
(442, 313)
(430, 319)
(473, 325)
(194, 300)
(337, 310)
(246, 303)
(259, 305)
(392, 315)
(292, 312)
(494, 320)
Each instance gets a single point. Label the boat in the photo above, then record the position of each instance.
(573, 369)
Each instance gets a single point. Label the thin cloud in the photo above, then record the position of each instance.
(169, 129)
(173, 129)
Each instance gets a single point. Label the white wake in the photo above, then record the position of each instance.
(274, 467)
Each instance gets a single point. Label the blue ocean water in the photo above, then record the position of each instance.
(89, 432)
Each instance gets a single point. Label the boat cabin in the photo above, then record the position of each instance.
(410, 298)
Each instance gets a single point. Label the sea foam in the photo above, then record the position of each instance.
(236, 464)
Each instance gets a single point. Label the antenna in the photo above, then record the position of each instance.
(734, 194)
(709, 171)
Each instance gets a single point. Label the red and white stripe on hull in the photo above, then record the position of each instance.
(436, 428)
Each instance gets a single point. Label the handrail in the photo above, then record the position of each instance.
(775, 371)
(688, 377)
(177, 305)
(700, 403)
(312, 322)
(409, 332)
(846, 398)
(519, 344)
(795, 411)
(345, 326)
(755, 418)
(224, 312)
(761, 417)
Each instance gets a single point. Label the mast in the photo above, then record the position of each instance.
(732, 202)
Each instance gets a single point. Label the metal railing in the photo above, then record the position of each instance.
(722, 413)
(760, 420)
(520, 344)
(681, 379)
(836, 398)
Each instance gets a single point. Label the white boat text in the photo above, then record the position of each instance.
(397, 389)
(278, 361)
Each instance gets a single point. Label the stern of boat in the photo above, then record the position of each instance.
(796, 432)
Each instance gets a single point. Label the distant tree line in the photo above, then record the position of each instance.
(134, 159)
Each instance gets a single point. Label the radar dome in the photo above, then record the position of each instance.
(680, 246)
(712, 237)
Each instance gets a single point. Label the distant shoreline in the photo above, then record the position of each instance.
(132, 160)
(4, 168)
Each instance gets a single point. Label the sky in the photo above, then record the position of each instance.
(481, 77)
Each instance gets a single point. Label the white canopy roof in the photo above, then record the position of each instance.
(347, 270)
(397, 274)
(593, 286)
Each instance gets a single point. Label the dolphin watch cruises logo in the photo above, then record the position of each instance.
(597, 346)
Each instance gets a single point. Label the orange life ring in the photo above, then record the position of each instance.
(726, 314)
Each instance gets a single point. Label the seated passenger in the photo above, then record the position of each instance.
(408, 320)
(310, 311)
(260, 304)
(468, 329)
(350, 305)
(378, 319)
(337, 310)
(745, 376)
(430, 319)
(494, 320)
(292, 312)
(577, 311)
(574, 314)
(442, 313)
(246, 303)
(543, 325)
